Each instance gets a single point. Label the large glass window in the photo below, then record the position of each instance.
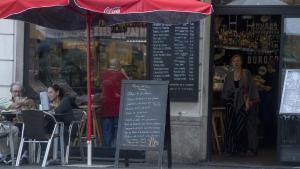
(60, 56)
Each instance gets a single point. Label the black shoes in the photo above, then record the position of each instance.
(24, 160)
(248, 153)
(7, 160)
(251, 153)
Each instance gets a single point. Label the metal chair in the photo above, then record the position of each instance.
(9, 136)
(34, 131)
(79, 119)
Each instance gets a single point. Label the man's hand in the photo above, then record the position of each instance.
(16, 105)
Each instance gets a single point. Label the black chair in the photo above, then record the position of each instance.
(79, 120)
(9, 136)
(34, 131)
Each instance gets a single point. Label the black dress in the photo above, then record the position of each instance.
(235, 126)
(240, 125)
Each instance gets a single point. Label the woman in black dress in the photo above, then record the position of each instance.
(241, 97)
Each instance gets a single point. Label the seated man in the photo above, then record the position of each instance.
(19, 102)
(16, 103)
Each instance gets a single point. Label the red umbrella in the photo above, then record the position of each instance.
(82, 14)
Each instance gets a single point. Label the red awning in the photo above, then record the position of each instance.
(70, 15)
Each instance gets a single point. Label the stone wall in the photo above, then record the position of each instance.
(188, 139)
(11, 54)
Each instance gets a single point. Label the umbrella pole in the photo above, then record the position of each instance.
(89, 100)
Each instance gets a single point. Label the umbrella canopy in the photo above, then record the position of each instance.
(82, 14)
(69, 15)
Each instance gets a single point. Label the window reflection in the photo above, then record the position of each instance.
(291, 44)
(60, 56)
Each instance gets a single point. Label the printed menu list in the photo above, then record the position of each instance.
(143, 109)
(174, 56)
(290, 100)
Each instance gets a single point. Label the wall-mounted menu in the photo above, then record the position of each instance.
(142, 115)
(174, 56)
(290, 99)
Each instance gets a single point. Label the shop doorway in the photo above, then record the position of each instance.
(256, 38)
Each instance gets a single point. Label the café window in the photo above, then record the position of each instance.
(257, 2)
(59, 57)
(291, 50)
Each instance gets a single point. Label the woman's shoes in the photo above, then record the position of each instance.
(228, 154)
(251, 153)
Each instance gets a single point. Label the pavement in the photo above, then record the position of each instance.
(109, 165)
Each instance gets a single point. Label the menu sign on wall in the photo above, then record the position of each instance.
(174, 56)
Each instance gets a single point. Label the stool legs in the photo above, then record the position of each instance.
(218, 137)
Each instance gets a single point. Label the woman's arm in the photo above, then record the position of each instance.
(64, 106)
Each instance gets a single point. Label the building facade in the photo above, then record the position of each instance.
(191, 126)
(11, 57)
(188, 119)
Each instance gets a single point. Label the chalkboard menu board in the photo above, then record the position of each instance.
(174, 56)
(142, 119)
(290, 99)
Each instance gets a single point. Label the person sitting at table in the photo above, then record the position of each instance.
(61, 104)
(110, 99)
(18, 101)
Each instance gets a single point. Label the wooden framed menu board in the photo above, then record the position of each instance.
(144, 120)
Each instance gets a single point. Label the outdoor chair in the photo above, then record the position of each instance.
(76, 124)
(34, 131)
(9, 137)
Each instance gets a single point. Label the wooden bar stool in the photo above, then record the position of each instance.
(217, 118)
(96, 126)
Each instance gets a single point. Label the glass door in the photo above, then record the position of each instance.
(288, 125)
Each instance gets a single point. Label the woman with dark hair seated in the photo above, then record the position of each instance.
(62, 106)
